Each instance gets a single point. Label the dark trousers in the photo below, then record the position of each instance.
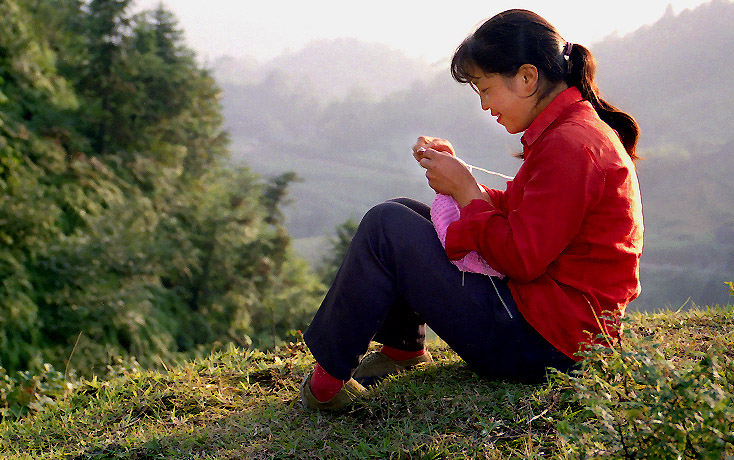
(396, 278)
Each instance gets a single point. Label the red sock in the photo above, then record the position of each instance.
(400, 355)
(323, 385)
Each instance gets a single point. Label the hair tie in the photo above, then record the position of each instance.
(567, 58)
(567, 50)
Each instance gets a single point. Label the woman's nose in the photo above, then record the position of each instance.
(484, 102)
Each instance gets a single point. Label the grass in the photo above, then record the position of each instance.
(244, 404)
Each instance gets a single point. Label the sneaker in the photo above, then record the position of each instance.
(376, 366)
(348, 395)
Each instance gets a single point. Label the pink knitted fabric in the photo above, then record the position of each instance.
(445, 210)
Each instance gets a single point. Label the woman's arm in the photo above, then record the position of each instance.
(557, 192)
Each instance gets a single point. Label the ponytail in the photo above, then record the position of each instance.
(516, 37)
(580, 73)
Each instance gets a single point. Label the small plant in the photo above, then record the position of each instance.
(28, 392)
(637, 404)
(731, 287)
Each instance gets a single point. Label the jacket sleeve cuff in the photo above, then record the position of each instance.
(475, 207)
(456, 243)
(497, 196)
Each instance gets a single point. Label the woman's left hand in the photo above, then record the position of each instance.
(448, 175)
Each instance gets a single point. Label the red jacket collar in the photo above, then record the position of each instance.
(550, 114)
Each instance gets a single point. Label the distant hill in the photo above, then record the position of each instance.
(352, 147)
(671, 76)
(331, 69)
(675, 77)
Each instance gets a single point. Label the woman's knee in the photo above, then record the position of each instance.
(402, 200)
(399, 224)
(379, 214)
(400, 208)
(416, 206)
(392, 221)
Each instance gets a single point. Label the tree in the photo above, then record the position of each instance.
(31, 153)
(103, 77)
(123, 233)
(338, 246)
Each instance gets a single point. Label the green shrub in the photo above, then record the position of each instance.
(637, 404)
(27, 392)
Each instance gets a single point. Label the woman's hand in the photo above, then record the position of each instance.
(450, 176)
(424, 142)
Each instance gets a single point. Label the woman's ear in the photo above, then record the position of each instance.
(526, 80)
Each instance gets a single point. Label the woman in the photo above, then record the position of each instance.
(566, 232)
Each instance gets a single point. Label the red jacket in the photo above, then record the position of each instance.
(567, 231)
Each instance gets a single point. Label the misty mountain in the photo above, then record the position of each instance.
(351, 146)
(674, 76)
(331, 69)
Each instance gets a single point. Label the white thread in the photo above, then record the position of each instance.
(472, 167)
(507, 309)
(501, 299)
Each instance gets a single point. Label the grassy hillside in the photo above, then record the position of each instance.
(667, 389)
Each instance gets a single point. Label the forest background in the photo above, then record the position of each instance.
(145, 214)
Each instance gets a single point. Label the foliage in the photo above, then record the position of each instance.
(32, 392)
(338, 246)
(656, 395)
(124, 235)
(639, 404)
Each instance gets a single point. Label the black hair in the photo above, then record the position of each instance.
(516, 37)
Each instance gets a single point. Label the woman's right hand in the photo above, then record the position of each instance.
(436, 143)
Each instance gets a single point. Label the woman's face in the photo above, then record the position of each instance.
(506, 98)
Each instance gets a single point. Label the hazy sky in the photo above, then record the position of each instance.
(265, 28)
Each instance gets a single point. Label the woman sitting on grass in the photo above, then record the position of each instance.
(566, 232)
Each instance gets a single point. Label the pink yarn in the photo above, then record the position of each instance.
(445, 210)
